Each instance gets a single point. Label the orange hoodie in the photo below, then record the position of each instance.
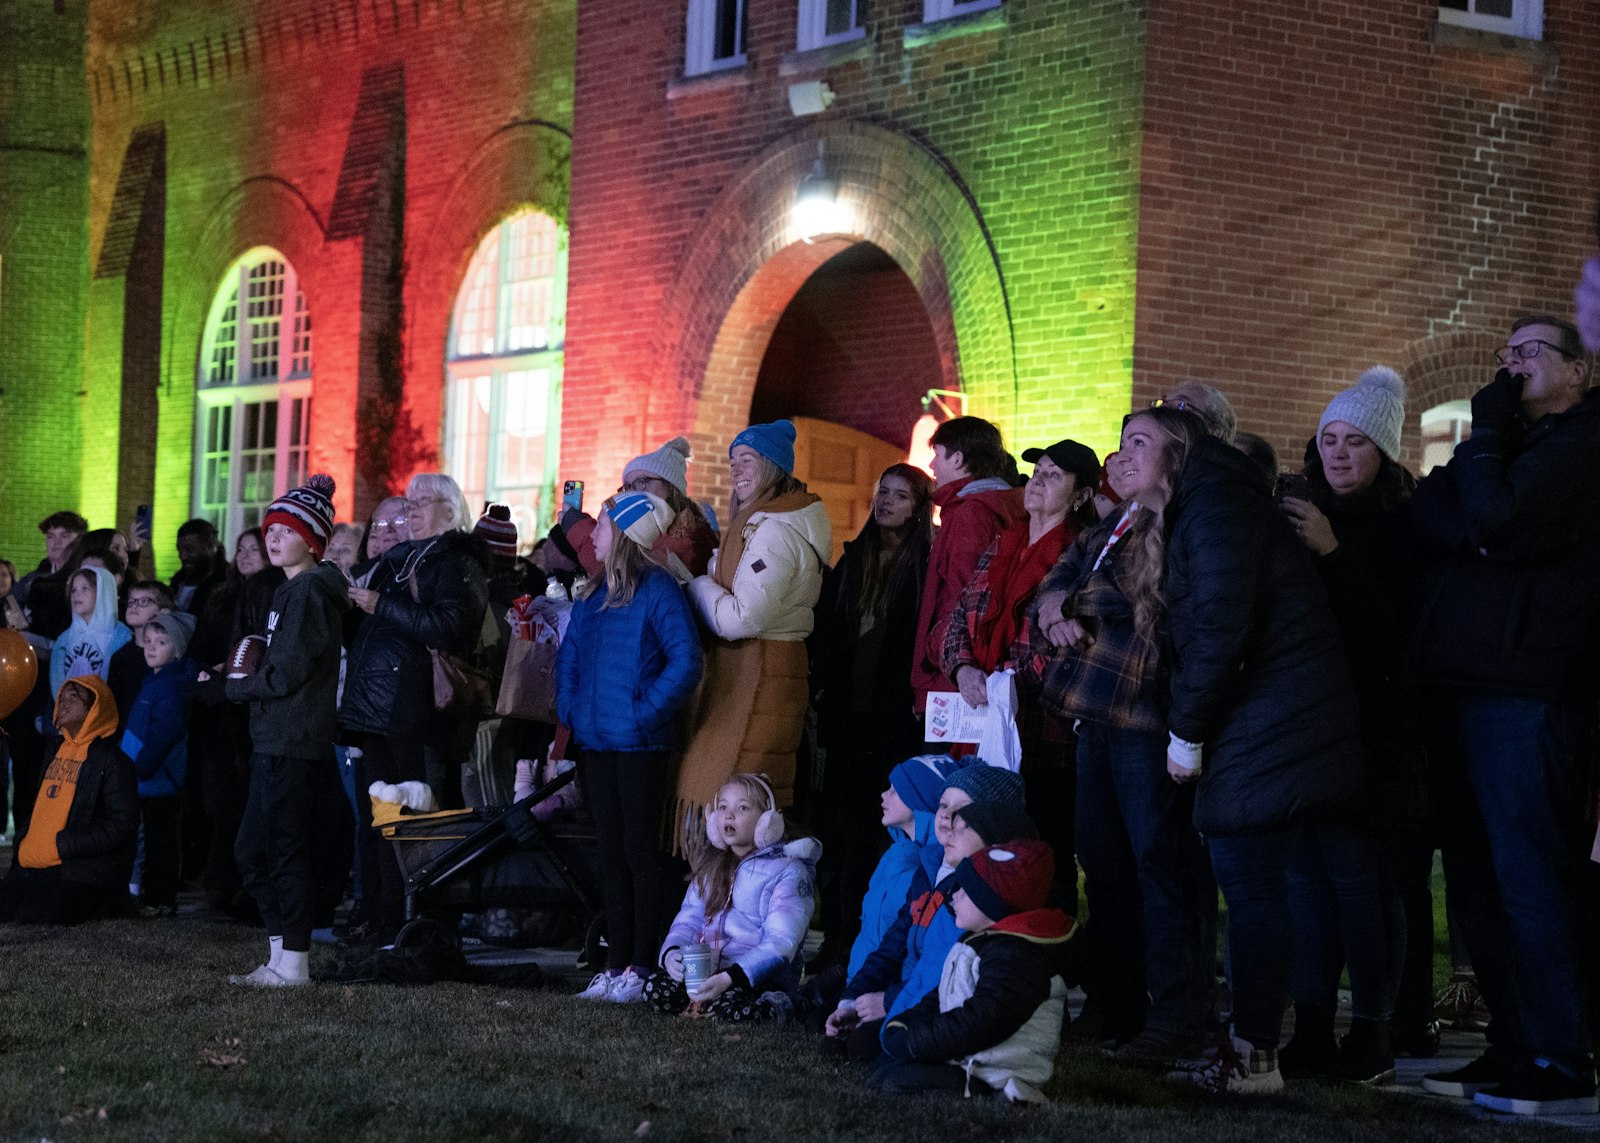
(54, 803)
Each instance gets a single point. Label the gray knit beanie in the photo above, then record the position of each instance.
(670, 462)
(1376, 405)
(985, 783)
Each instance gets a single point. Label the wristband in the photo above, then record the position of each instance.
(1184, 753)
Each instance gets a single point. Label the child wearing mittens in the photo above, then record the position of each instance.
(628, 665)
(750, 899)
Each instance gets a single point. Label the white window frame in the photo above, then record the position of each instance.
(1525, 22)
(289, 387)
(933, 10)
(467, 374)
(700, 39)
(812, 31)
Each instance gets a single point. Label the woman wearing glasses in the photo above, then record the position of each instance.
(427, 592)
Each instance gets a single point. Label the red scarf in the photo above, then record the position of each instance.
(1015, 572)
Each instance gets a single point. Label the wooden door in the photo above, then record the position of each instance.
(841, 465)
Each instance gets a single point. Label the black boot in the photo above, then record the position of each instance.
(1366, 1055)
(1312, 1050)
(1419, 1041)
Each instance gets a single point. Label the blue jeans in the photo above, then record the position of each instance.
(1346, 911)
(1251, 871)
(1152, 903)
(1511, 813)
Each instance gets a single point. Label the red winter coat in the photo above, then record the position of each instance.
(972, 512)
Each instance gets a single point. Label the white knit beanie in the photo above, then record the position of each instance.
(1376, 405)
(670, 462)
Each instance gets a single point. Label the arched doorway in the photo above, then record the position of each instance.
(849, 359)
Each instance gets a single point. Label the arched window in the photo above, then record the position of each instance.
(503, 373)
(253, 393)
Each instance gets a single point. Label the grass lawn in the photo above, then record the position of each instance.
(128, 1031)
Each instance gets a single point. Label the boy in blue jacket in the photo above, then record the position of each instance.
(157, 739)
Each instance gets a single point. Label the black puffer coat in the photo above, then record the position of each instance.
(1258, 667)
(389, 674)
(98, 842)
(1511, 599)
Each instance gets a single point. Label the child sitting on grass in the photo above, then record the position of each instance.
(905, 966)
(157, 739)
(74, 857)
(750, 900)
(292, 699)
(994, 1024)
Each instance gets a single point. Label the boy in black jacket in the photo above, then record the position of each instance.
(995, 1021)
(292, 699)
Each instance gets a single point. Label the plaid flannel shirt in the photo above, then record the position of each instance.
(963, 626)
(1114, 681)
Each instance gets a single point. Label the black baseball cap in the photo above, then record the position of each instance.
(1069, 456)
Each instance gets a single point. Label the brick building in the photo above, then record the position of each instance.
(1052, 209)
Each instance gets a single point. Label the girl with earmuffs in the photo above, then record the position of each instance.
(750, 899)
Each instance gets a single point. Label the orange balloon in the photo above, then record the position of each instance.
(19, 669)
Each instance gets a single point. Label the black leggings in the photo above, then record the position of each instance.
(738, 1005)
(383, 886)
(626, 793)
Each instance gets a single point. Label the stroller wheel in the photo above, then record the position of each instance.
(593, 953)
(422, 932)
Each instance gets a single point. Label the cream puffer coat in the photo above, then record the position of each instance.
(777, 582)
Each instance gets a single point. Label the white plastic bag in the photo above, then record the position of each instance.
(1001, 744)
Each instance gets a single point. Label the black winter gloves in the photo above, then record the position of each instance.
(1497, 407)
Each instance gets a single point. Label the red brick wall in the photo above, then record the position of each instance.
(1331, 186)
(997, 168)
(269, 142)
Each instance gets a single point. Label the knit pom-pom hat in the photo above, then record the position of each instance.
(670, 462)
(1375, 405)
(307, 511)
(1010, 878)
(497, 530)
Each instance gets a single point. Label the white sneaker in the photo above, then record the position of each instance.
(627, 988)
(1234, 1066)
(268, 977)
(599, 988)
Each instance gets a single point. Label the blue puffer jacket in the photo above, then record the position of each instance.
(891, 964)
(764, 926)
(931, 939)
(157, 730)
(889, 888)
(624, 673)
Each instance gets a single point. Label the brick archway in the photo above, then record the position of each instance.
(524, 164)
(1447, 366)
(742, 267)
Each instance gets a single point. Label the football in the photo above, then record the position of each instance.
(245, 658)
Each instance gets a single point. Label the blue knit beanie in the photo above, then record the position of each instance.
(919, 781)
(985, 783)
(775, 441)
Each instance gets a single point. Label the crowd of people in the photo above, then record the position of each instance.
(1292, 687)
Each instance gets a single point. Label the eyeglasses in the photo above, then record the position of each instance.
(639, 484)
(137, 601)
(1526, 351)
(423, 501)
(1169, 403)
(392, 522)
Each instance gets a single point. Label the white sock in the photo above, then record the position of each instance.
(274, 952)
(294, 965)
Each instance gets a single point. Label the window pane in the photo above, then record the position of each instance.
(300, 362)
(476, 304)
(727, 37)
(264, 309)
(466, 445)
(1458, 5)
(841, 16)
(224, 342)
(1493, 8)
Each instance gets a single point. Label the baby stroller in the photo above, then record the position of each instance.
(470, 860)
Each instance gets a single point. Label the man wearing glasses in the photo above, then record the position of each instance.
(1507, 639)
